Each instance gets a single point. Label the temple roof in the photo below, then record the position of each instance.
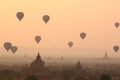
(38, 60)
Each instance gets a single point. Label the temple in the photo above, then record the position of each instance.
(78, 67)
(38, 65)
(106, 56)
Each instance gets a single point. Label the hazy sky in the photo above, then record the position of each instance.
(68, 18)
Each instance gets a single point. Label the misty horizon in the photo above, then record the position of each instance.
(57, 52)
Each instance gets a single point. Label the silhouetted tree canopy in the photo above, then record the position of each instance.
(31, 77)
(105, 77)
(79, 78)
(67, 74)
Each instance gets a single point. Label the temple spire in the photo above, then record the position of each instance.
(78, 66)
(78, 62)
(38, 57)
(106, 56)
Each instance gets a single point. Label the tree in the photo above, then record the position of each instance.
(67, 74)
(79, 78)
(105, 77)
(31, 77)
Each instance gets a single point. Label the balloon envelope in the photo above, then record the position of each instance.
(7, 45)
(37, 39)
(117, 24)
(20, 15)
(14, 49)
(116, 48)
(46, 18)
(70, 44)
(82, 35)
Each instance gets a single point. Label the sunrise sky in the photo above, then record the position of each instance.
(68, 18)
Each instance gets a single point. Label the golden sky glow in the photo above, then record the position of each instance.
(68, 19)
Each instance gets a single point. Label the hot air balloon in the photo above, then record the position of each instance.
(37, 39)
(82, 35)
(46, 18)
(14, 49)
(116, 48)
(7, 45)
(20, 15)
(117, 24)
(70, 44)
